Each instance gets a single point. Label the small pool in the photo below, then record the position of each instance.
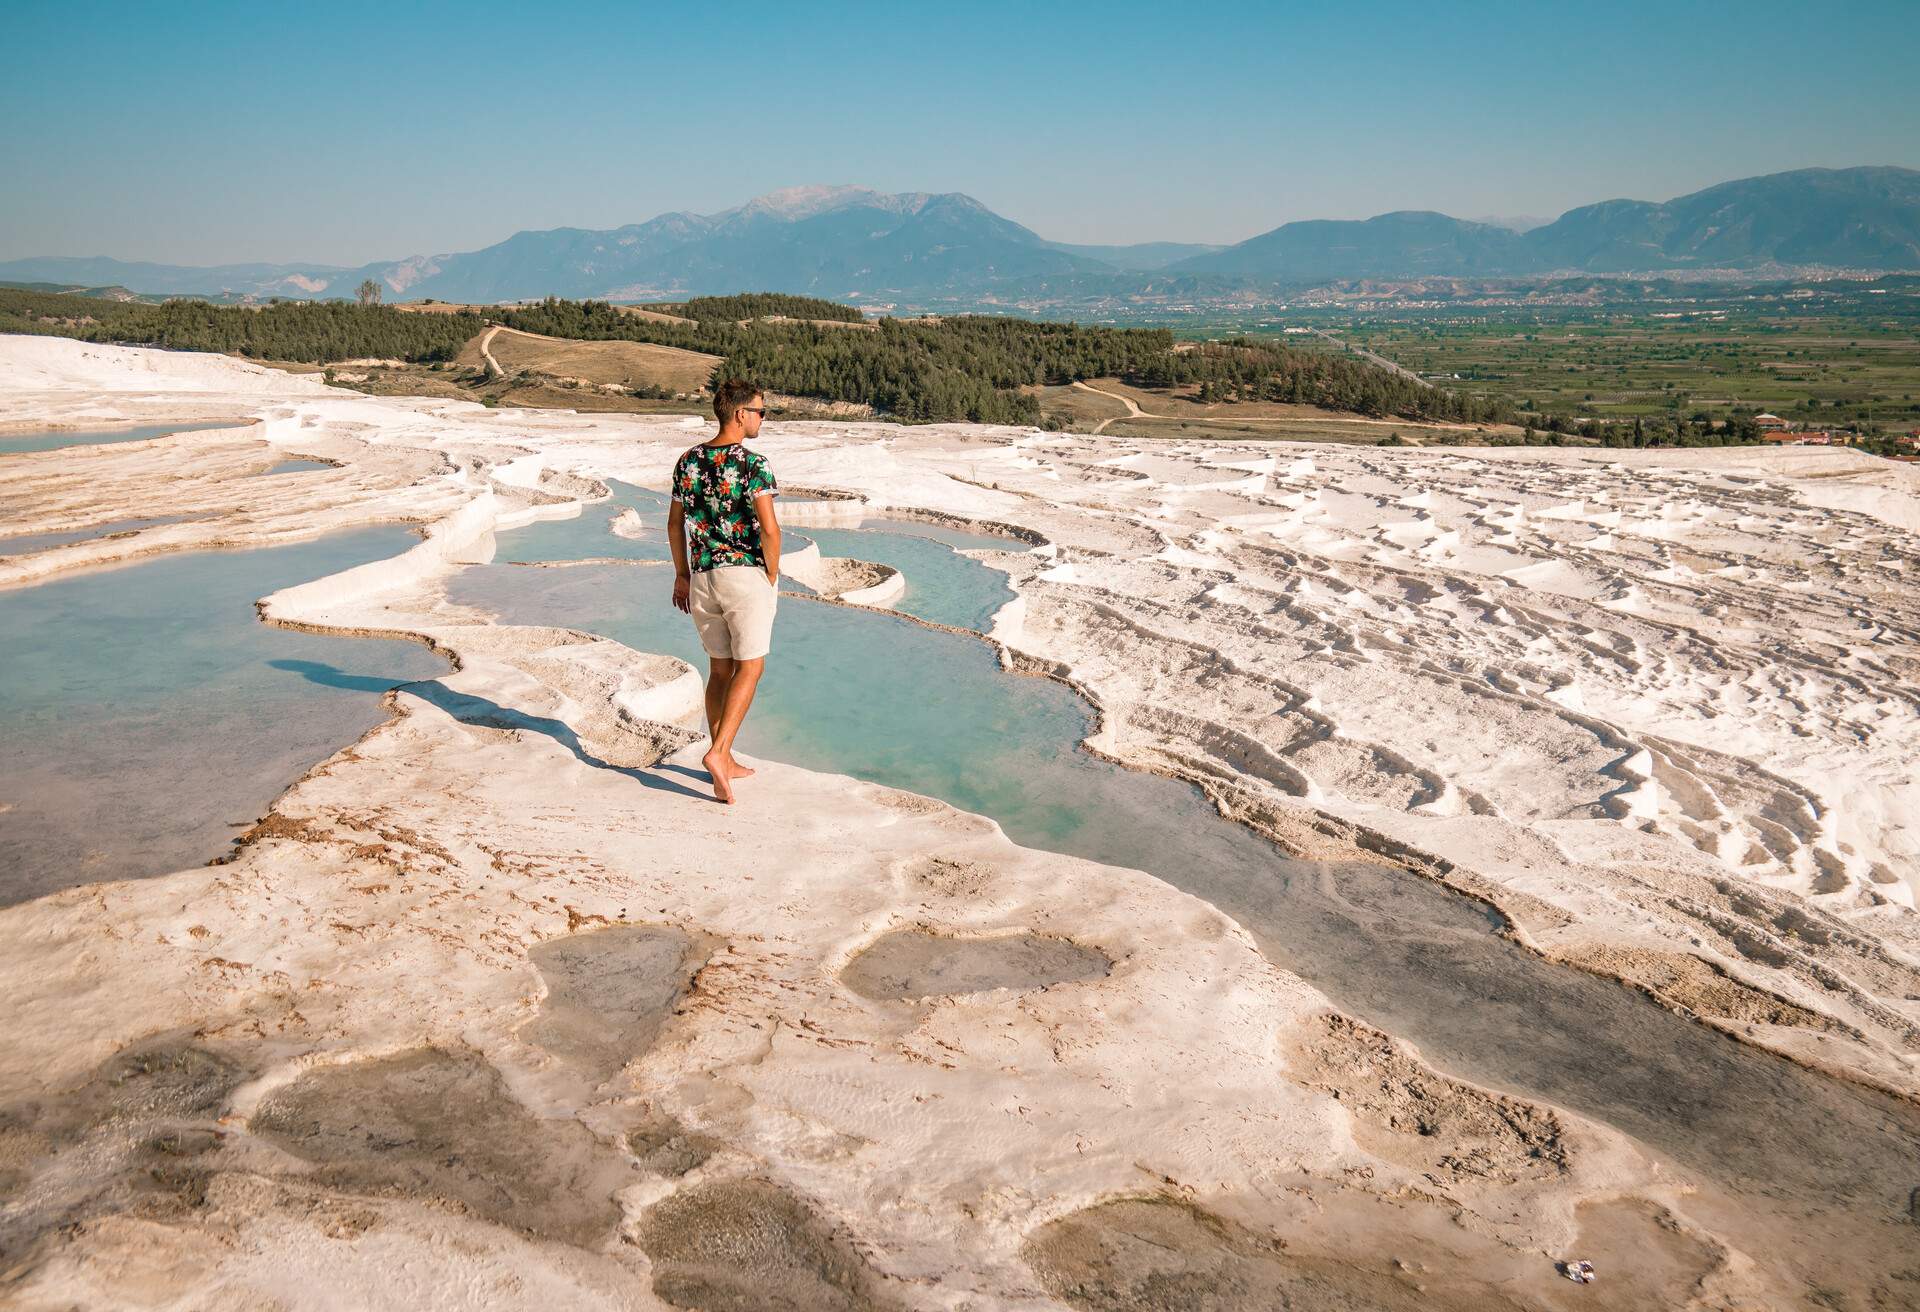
(58, 439)
(27, 543)
(590, 534)
(959, 538)
(865, 693)
(942, 585)
(147, 715)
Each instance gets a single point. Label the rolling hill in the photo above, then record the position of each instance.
(1411, 243)
(1836, 218)
(855, 245)
(1855, 218)
(627, 365)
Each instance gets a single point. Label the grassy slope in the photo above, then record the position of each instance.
(629, 364)
(1176, 414)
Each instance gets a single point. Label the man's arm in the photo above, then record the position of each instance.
(677, 542)
(769, 534)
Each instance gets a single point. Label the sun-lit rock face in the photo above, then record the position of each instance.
(498, 998)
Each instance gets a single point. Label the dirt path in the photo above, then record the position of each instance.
(1133, 411)
(486, 340)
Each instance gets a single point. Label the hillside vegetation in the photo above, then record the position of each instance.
(979, 368)
(307, 332)
(757, 305)
(109, 293)
(972, 368)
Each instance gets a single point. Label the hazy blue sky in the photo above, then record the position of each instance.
(347, 132)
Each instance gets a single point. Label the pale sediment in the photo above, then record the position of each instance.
(857, 582)
(508, 928)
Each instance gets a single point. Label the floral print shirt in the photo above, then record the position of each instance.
(716, 486)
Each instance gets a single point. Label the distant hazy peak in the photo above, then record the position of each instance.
(804, 202)
(1413, 218)
(847, 241)
(794, 203)
(1512, 222)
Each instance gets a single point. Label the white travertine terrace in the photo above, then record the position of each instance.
(1659, 707)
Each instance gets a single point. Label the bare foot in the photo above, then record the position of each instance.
(717, 771)
(736, 770)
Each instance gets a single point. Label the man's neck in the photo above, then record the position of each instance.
(726, 437)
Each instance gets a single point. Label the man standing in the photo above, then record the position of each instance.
(726, 561)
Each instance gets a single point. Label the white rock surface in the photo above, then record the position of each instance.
(1659, 706)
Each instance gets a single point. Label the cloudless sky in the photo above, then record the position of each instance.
(203, 133)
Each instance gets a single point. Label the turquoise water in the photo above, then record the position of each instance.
(1826, 1166)
(864, 693)
(942, 585)
(55, 441)
(294, 466)
(590, 534)
(27, 543)
(144, 710)
(964, 539)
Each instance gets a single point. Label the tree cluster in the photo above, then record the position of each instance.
(971, 367)
(1250, 369)
(759, 305)
(1644, 431)
(307, 331)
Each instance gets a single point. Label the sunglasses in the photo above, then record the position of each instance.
(754, 410)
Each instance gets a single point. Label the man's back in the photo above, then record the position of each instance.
(716, 486)
(725, 541)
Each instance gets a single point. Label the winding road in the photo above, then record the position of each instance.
(493, 365)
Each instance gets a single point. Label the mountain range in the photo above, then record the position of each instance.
(855, 244)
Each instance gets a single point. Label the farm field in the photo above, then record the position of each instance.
(1816, 371)
(1101, 405)
(630, 365)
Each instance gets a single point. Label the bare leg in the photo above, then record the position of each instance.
(746, 677)
(718, 681)
(719, 676)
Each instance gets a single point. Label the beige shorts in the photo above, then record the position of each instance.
(733, 610)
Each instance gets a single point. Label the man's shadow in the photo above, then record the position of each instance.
(329, 677)
(486, 714)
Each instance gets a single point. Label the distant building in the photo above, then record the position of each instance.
(1780, 437)
(1770, 421)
